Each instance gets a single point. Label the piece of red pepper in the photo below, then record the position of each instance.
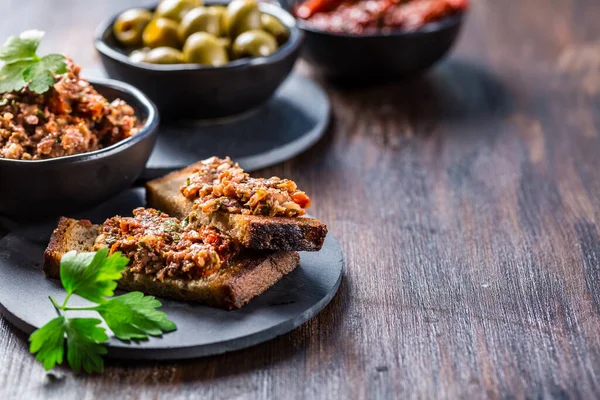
(311, 7)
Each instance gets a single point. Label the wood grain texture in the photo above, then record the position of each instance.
(467, 205)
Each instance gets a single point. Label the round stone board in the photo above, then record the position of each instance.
(292, 121)
(202, 330)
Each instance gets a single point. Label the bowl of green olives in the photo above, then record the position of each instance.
(200, 60)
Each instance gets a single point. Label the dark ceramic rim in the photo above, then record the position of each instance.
(151, 122)
(431, 27)
(294, 41)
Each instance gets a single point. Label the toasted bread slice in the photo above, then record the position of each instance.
(234, 285)
(252, 231)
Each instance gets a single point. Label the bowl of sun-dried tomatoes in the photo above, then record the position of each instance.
(377, 38)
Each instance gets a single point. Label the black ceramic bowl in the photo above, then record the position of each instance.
(198, 91)
(72, 183)
(377, 55)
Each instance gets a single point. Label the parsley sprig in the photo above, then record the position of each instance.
(94, 277)
(22, 66)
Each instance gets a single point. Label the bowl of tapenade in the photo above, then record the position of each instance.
(197, 60)
(375, 39)
(66, 143)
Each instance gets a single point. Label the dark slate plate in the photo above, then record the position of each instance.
(201, 330)
(292, 121)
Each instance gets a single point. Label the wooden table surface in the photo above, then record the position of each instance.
(467, 203)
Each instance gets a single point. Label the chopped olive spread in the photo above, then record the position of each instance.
(166, 247)
(221, 185)
(71, 118)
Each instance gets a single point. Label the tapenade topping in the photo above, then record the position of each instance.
(221, 185)
(165, 247)
(70, 118)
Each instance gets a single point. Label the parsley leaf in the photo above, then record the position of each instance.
(84, 344)
(39, 74)
(92, 276)
(23, 66)
(49, 343)
(21, 47)
(11, 76)
(134, 316)
(84, 339)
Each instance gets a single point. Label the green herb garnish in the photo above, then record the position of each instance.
(22, 66)
(94, 277)
(171, 226)
(185, 222)
(266, 209)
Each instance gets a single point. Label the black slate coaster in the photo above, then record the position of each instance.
(201, 330)
(292, 121)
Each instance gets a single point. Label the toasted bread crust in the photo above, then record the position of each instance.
(232, 287)
(70, 234)
(163, 193)
(252, 231)
(269, 233)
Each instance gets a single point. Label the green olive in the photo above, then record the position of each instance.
(200, 19)
(161, 32)
(224, 41)
(204, 48)
(164, 55)
(220, 11)
(242, 16)
(254, 43)
(139, 55)
(128, 27)
(275, 27)
(175, 9)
